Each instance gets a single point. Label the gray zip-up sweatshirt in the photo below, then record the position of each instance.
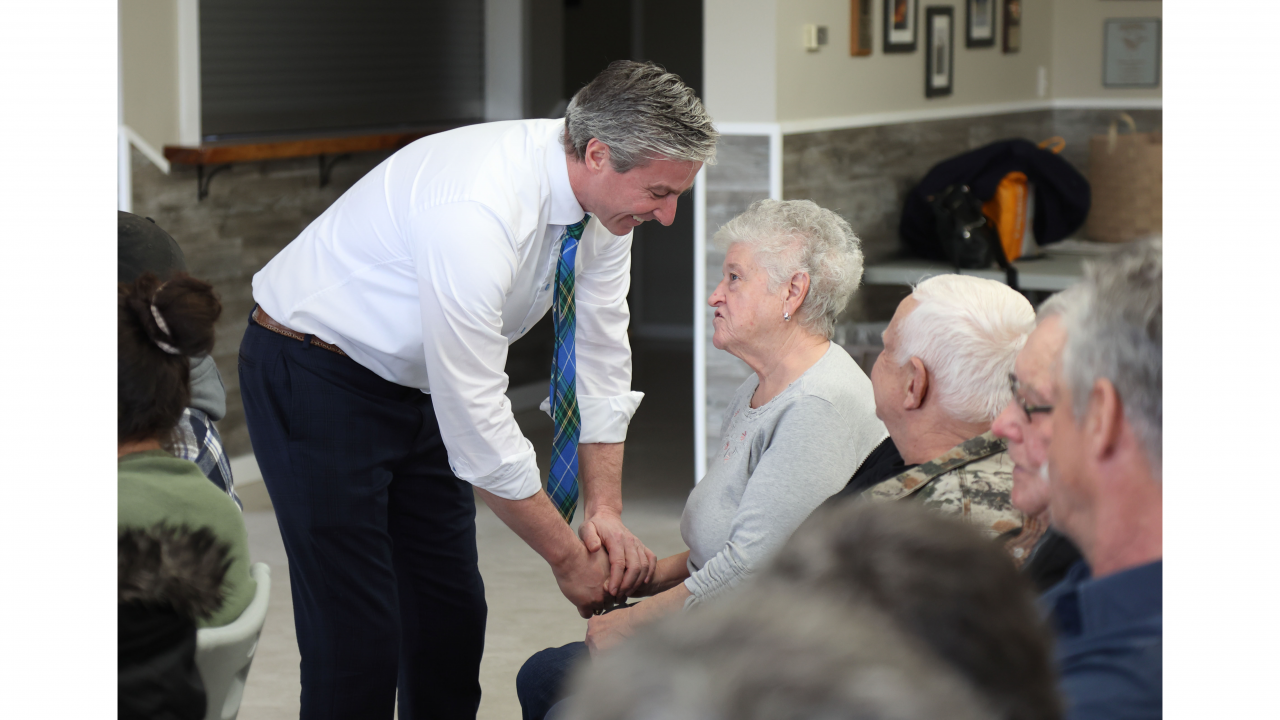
(774, 465)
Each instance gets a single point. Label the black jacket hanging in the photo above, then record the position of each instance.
(1061, 193)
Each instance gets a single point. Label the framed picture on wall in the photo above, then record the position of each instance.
(1012, 25)
(900, 25)
(939, 51)
(1131, 53)
(860, 28)
(979, 23)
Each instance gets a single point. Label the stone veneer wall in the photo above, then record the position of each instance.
(253, 210)
(864, 175)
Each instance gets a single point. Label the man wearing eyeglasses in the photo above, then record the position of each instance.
(1025, 427)
(940, 381)
(1105, 487)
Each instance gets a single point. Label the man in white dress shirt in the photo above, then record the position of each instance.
(373, 381)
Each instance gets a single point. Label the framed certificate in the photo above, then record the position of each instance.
(1131, 53)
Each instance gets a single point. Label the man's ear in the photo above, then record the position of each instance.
(1103, 420)
(596, 155)
(917, 385)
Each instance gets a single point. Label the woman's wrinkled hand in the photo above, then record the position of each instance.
(606, 631)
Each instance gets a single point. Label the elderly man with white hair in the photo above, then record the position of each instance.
(940, 381)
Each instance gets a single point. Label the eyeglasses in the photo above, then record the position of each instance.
(1015, 387)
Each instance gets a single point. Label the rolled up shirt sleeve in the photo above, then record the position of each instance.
(463, 283)
(605, 398)
(804, 463)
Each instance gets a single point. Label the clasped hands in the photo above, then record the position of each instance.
(612, 565)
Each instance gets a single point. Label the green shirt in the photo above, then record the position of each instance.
(156, 487)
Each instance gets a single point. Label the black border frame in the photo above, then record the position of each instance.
(969, 41)
(915, 28)
(1159, 51)
(929, 14)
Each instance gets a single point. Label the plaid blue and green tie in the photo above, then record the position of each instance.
(562, 483)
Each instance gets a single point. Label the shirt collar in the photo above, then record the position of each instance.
(1082, 605)
(565, 209)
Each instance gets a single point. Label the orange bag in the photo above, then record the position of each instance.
(1007, 210)
(1011, 209)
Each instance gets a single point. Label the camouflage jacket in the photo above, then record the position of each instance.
(972, 480)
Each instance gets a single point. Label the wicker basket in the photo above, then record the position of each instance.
(1126, 177)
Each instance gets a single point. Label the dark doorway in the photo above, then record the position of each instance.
(659, 458)
(597, 32)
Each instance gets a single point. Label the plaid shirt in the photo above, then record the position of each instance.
(198, 441)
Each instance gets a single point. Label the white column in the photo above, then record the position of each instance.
(124, 168)
(699, 325)
(504, 85)
(189, 72)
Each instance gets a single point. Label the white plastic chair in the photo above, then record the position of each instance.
(223, 654)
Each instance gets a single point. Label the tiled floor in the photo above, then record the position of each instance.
(526, 610)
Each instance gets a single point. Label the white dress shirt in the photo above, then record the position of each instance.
(433, 263)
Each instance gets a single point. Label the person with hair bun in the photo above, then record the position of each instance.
(144, 246)
(161, 326)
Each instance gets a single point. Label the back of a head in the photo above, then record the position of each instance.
(160, 326)
(168, 578)
(142, 246)
(643, 113)
(1117, 333)
(968, 332)
(941, 582)
(771, 654)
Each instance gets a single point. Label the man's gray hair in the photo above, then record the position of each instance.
(967, 331)
(643, 113)
(771, 654)
(1117, 334)
(1061, 303)
(796, 236)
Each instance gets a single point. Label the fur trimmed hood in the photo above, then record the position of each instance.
(174, 567)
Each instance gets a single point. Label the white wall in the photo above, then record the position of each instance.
(757, 69)
(160, 74)
(831, 83)
(739, 70)
(1077, 47)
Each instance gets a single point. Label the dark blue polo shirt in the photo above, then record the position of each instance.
(1109, 641)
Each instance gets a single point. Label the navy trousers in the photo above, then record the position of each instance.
(380, 534)
(542, 683)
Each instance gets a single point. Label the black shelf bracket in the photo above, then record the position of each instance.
(327, 168)
(202, 180)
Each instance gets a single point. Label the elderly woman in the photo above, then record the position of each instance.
(794, 433)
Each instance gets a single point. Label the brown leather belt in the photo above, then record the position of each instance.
(262, 318)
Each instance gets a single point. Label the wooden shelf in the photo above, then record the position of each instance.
(281, 148)
(226, 152)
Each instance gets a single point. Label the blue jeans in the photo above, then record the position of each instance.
(540, 684)
(380, 534)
